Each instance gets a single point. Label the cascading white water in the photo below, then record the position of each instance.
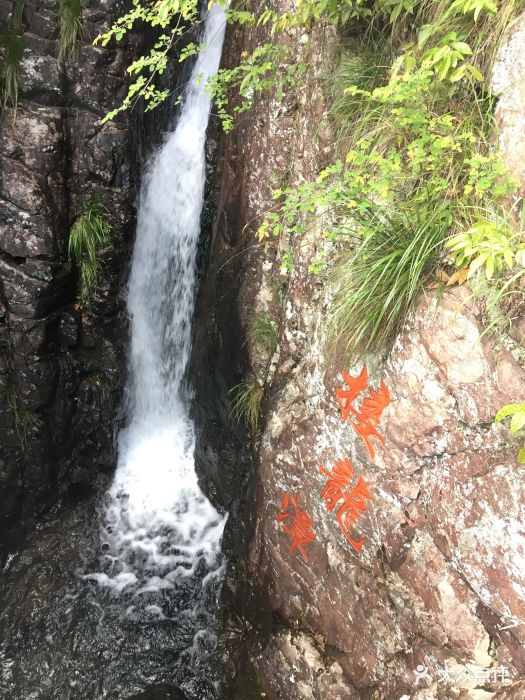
(158, 527)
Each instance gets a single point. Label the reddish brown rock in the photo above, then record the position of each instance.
(439, 583)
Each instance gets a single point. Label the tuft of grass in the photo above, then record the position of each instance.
(71, 28)
(24, 421)
(364, 67)
(500, 304)
(379, 279)
(262, 331)
(278, 291)
(246, 404)
(11, 48)
(427, 20)
(89, 236)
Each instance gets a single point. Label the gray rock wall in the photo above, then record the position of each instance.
(61, 368)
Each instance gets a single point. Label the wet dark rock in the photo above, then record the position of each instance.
(65, 636)
(161, 692)
(61, 368)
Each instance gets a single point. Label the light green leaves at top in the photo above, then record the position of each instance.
(517, 423)
(488, 244)
(395, 9)
(458, 8)
(447, 59)
(475, 7)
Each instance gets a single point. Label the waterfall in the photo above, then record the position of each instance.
(158, 528)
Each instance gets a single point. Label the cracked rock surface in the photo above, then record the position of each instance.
(61, 367)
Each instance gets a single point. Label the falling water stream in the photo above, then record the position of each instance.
(142, 610)
(157, 525)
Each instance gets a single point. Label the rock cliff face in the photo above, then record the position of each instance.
(438, 583)
(61, 369)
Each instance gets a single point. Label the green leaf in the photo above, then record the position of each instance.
(475, 72)
(463, 48)
(517, 422)
(489, 267)
(509, 410)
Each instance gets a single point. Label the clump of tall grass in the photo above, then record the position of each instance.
(89, 236)
(71, 27)
(366, 68)
(23, 420)
(262, 331)
(482, 24)
(246, 404)
(11, 48)
(379, 279)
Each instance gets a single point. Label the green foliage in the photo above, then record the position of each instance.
(24, 421)
(11, 47)
(246, 404)
(361, 67)
(269, 67)
(415, 164)
(379, 279)
(517, 423)
(262, 331)
(308, 12)
(476, 7)
(448, 27)
(489, 244)
(497, 303)
(171, 18)
(71, 27)
(418, 167)
(411, 149)
(394, 9)
(447, 59)
(89, 236)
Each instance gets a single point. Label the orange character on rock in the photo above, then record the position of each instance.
(345, 397)
(300, 530)
(353, 500)
(368, 417)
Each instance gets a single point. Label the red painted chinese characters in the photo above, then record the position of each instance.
(353, 499)
(368, 416)
(345, 397)
(338, 493)
(300, 530)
